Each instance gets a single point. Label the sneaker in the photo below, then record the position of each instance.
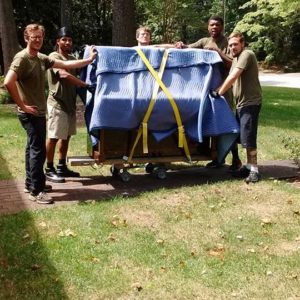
(215, 164)
(64, 171)
(41, 198)
(47, 189)
(236, 165)
(253, 177)
(51, 175)
(243, 172)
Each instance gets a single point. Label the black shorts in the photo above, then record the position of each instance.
(248, 119)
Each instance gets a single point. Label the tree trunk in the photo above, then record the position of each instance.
(65, 13)
(123, 32)
(9, 40)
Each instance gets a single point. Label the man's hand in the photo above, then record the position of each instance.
(93, 53)
(180, 45)
(91, 88)
(30, 109)
(214, 94)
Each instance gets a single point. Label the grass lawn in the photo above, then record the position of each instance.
(225, 240)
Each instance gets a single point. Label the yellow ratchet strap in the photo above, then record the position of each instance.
(182, 142)
(144, 127)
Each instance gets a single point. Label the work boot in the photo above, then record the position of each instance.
(64, 171)
(253, 177)
(47, 189)
(40, 198)
(215, 164)
(51, 175)
(243, 172)
(235, 165)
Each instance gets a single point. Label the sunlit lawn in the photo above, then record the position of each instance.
(224, 240)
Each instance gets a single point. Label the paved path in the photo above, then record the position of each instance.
(291, 80)
(76, 190)
(13, 199)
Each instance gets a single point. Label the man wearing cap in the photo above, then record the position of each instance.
(61, 106)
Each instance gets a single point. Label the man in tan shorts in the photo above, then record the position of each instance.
(61, 106)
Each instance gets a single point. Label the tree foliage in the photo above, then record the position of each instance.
(272, 27)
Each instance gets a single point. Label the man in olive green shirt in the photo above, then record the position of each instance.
(247, 94)
(218, 42)
(61, 104)
(25, 81)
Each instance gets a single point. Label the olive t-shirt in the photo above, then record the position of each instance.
(220, 43)
(62, 94)
(31, 72)
(247, 89)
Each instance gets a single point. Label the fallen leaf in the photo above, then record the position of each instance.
(95, 259)
(265, 248)
(160, 241)
(43, 224)
(35, 267)
(26, 236)
(292, 276)
(251, 250)
(137, 286)
(67, 233)
(266, 221)
(269, 273)
(217, 251)
(240, 237)
(111, 237)
(182, 264)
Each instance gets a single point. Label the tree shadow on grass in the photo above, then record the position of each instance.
(26, 272)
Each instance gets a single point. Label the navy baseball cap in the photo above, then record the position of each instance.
(64, 31)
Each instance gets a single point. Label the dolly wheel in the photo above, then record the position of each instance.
(149, 168)
(125, 176)
(161, 173)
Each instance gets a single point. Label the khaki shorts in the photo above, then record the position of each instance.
(60, 124)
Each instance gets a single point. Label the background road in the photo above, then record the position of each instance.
(291, 80)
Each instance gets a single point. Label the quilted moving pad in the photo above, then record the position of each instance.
(124, 88)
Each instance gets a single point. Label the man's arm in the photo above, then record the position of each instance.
(10, 83)
(63, 74)
(226, 59)
(231, 78)
(76, 64)
(166, 46)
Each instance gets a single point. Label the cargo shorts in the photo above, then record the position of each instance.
(60, 124)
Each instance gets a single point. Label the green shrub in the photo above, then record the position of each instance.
(4, 95)
(292, 144)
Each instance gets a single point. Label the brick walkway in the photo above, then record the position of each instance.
(13, 199)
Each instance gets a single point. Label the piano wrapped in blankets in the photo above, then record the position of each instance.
(152, 105)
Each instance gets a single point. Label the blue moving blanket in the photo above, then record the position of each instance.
(124, 88)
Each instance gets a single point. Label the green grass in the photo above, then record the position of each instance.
(224, 240)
